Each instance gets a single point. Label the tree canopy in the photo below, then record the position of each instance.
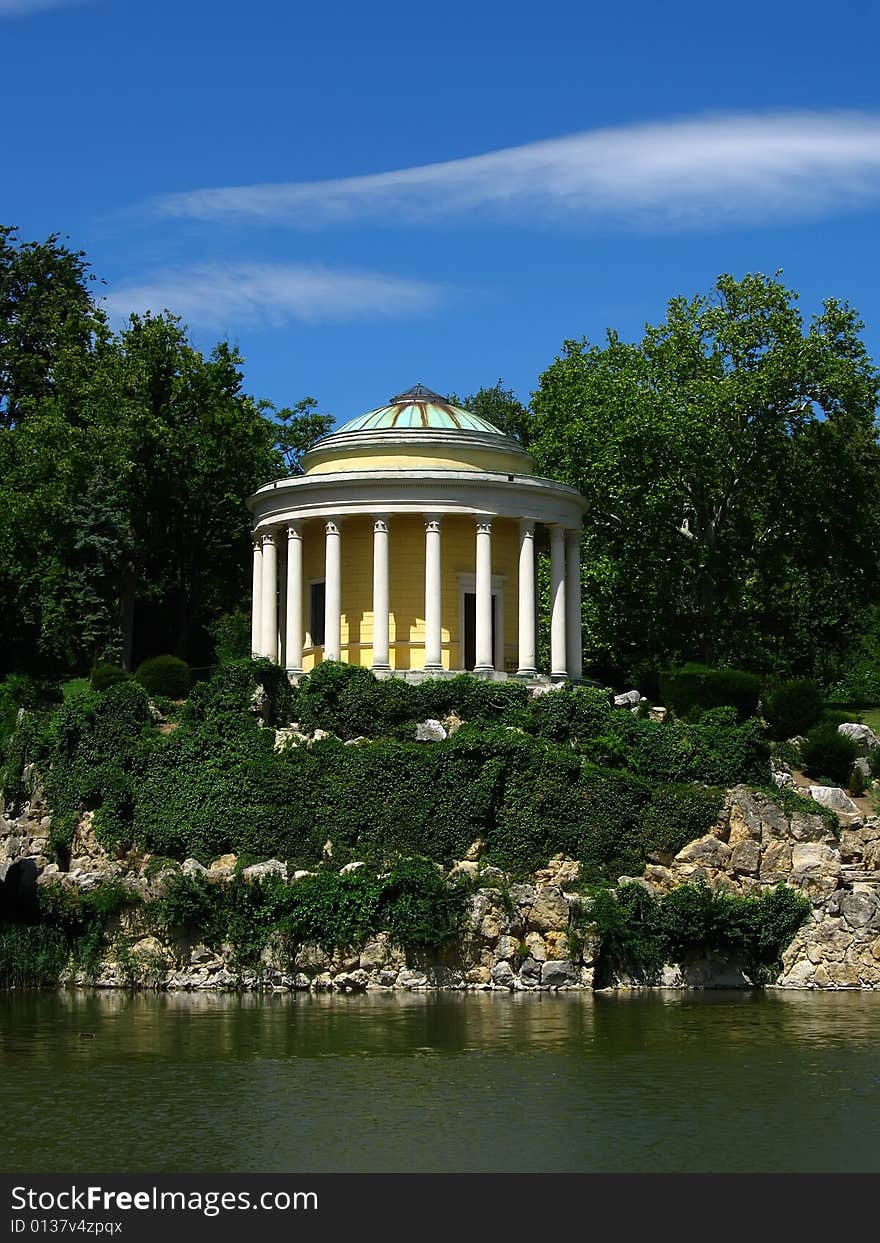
(732, 467)
(127, 458)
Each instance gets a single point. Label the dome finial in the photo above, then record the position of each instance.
(418, 392)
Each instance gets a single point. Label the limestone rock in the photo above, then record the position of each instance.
(834, 798)
(502, 975)
(348, 868)
(560, 871)
(260, 871)
(657, 714)
(222, 868)
(708, 851)
(430, 731)
(549, 910)
(192, 867)
(559, 973)
(530, 971)
(629, 699)
(862, 735)
(746, 857)
(776, 862)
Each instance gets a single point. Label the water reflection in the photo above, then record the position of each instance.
(670, 1080)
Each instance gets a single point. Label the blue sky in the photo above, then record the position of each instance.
(366, 196)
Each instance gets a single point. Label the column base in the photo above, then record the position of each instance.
(560, 677)
(433, 668)
(483, 669)
(380, 666)
(294, 671)
(527, 673)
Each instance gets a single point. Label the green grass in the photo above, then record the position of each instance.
(870, 716)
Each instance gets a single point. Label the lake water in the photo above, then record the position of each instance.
(440, 1082)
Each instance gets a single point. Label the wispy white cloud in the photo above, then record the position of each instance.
(693, 172)
(216, 295)
(21, 8)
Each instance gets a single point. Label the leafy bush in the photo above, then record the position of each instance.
(874, 762)
(677, 814)
(793, 708)
(639, 932)
(413, 902)
(715, 751)
(107, 675)
(828, 753)
(164, 675)
(693, 689)
(551, 784)
(231, 633)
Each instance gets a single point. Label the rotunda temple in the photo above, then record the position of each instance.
(409, 544)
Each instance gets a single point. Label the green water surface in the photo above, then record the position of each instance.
(106, 1082)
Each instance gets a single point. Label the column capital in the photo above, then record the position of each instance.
(557, 532)
(267, 537)
(573, 534)
(527, 527)
(294, 529)
(380, 522)
(432, 524)
(484, 525)
(331, 526)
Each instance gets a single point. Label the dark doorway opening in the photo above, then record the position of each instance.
(316, 614)
(470, 628)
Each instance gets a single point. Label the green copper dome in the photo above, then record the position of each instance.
(418, 407)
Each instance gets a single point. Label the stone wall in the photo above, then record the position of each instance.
(517, 935)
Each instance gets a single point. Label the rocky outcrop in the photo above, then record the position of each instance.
(755, 845)
(524, 936)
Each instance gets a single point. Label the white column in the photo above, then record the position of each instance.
(558, 668)
(281, 638)
(433, 618)
(257, 598)
(269, 629)
(332, 592)
(485, 657)
(294, 620)
(528, 665)
(574, 641)
(381, 598)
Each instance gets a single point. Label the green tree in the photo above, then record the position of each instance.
(125, 463)
(732, 467)
(499, 405)
(46, 305)
(299, 426)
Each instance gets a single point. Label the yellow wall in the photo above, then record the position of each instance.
(429, 457)
(407, 587)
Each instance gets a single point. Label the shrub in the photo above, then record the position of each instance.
(231, 633)
(640, 932)
(692, 689)
(828, 753)
(677, 814)
(793, 708)
(874, 762)
(107, 675)
(715, 751)
(835, 716)
(164, 675)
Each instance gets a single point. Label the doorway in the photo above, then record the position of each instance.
(470, 629)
